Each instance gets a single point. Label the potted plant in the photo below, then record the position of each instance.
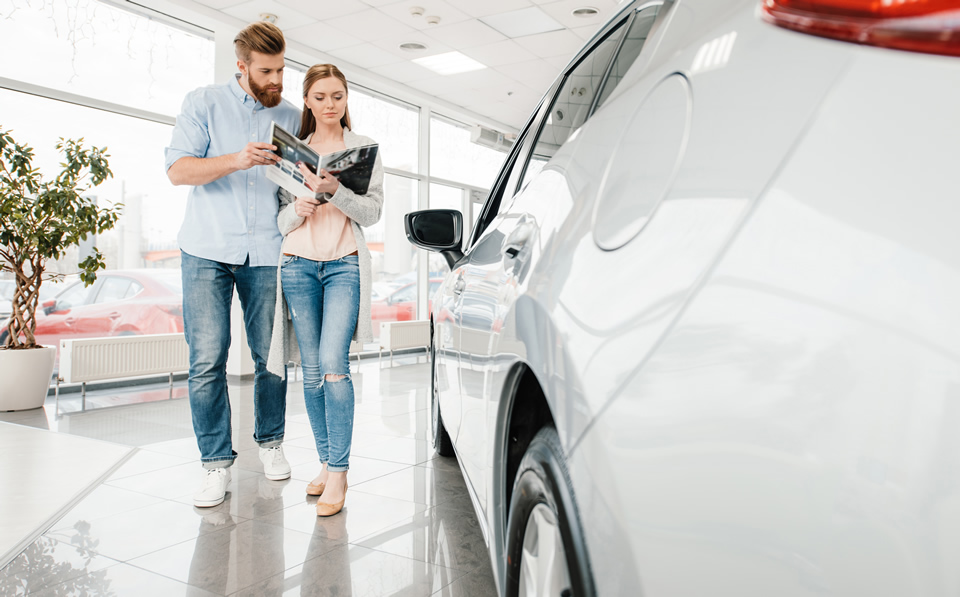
(39, 220)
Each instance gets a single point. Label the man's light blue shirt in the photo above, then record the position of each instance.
(235, 216)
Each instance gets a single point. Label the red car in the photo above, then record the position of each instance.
(399, 305)
(120, 302)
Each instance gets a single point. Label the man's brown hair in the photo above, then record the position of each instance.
(265, 38)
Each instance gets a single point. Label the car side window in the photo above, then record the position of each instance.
(571, 105)
(633, 42)
(134, 290)
(75, 296)
(407, 293)
(113, 289)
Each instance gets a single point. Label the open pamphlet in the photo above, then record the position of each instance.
(352, 166)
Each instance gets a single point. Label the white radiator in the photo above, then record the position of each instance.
(92, 359)
(396, 335)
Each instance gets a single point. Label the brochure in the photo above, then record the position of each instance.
(352, 166)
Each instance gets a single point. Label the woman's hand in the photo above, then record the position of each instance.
(305, 206)
(324, 183)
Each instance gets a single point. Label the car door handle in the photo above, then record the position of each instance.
(115, 315)
(518, 237)
(69, 321)
(511, 251)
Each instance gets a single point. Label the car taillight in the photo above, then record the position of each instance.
(929, 26)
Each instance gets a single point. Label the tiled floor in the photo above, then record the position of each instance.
(408, 527)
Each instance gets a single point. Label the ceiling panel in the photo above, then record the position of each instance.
(464, 35)
(323, 11)
(489, 7)
(286, 16)
(431, 8)
(497, 54)
(366, 34)
(391, 43)
(220, 4)
(587, 32)
(554, 43)
(502, 112)
(563, 12)
(534, 73)
(322, 36)
(370, 25)
(365, 56)
(404, 72)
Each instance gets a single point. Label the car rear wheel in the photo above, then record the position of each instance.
(546, 554)
(441, 439)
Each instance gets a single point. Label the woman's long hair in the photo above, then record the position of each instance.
(320, 71)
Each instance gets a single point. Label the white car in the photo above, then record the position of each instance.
(705, 337)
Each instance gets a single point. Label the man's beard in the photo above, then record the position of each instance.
(269, 99)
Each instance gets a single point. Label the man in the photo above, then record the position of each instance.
(229, 238)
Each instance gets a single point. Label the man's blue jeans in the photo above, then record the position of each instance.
(324, 302)
(207, 297)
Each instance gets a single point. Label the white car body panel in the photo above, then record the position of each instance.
(758, 389)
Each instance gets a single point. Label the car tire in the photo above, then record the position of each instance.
(441, 439)
(546, 552)
(3, 337)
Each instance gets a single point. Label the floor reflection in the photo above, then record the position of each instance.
(407, 528)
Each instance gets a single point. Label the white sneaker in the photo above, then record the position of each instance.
(213, 489)
(275, 466)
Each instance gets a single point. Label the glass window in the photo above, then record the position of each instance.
(572, 103)
(75, 296)
(632, 44)
(293, 84)
(113, 288)
(454, 156)
(395, 126)
(153, 208)
(100, 51)
(394, 259)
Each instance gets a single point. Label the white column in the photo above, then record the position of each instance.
(423, 200)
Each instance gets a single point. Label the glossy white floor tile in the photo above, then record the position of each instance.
(41, 473)
(407, 528)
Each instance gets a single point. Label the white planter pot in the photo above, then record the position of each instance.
(25, 377)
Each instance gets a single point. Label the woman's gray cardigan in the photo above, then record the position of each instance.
(363, 210)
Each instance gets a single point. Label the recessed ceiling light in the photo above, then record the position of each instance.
(412, 46)
(450, 63)
(526, 21)
(268, 18)
(585, 12)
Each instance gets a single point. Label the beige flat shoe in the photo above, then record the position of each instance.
(316, 489)
(331, 509)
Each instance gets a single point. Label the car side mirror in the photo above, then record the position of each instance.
(438, 230)
(49, 306)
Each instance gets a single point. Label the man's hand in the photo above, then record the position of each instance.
(256, 154)
(306, 206)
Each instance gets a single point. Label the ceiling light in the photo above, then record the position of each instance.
(585, 12)
(267, 17)
(412, 46)
(526, 21)
(433, 20)
(450, 63)
(416, 11)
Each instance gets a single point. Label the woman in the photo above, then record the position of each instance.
(324, 277)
